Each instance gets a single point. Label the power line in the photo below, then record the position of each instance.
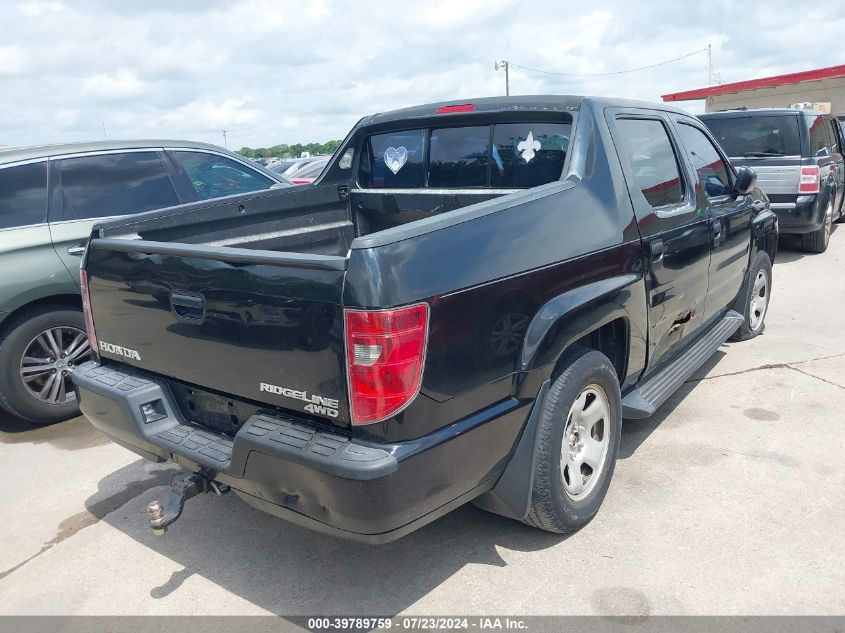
(617, 72)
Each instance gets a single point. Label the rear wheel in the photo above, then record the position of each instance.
(817, 241)
(37, 353)
(577, 443)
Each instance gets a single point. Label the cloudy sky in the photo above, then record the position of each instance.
(278, 71)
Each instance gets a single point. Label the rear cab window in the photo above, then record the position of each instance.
(500, 156)
(23, 195)
(757, 136)
(458, 156)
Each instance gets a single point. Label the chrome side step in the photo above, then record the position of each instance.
(642, 401)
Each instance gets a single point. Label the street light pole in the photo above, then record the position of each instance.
(225, 142)
(504, 64)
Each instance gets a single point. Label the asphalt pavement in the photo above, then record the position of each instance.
(728, 501)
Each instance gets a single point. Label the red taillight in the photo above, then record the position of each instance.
(464, 107)
(86, 309)
(385, 353)
(810, 179)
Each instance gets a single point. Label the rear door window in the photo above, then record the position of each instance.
(820, 137)
(23, 195)
(528, 154)
(458, 156)
(756, 136)
(713, 173)
(647, 149)
(394, 160)
(215, 176)
(114, 184)
(836, 147)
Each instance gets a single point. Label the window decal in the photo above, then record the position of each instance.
(528, 147)
(395, 158)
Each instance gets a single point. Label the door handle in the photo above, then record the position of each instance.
(188, 307)
(717, 231)
(658, 249)
(78, 250)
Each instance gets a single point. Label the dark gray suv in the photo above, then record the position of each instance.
(797, 155)
(50, 197)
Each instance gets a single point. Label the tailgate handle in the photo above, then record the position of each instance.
(188, 307)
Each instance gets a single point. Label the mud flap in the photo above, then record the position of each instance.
(511, 496)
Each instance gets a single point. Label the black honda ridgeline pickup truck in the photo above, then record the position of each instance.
(463, 306)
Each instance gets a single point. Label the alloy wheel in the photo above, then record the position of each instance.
(48, 360)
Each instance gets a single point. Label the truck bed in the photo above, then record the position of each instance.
(294, 220)
(245, 292)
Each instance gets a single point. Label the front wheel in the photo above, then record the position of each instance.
(757, 293)
(577, 443)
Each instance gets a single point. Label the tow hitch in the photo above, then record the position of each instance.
(182, 487)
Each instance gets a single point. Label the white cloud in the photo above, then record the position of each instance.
(13, 60)
(270, 74)
(66, 117)
(209, 115)
(34, 9)
(121, 85)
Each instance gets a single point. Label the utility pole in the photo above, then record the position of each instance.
(709, 65)
(504, 64)
(225, 142)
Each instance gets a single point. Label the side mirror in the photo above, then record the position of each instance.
(746, 180)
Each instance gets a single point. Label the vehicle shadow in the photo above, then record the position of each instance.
(789, 247)
(635, 432)
(291, 571)
(74, 434)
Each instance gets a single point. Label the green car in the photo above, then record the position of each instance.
(50, 198)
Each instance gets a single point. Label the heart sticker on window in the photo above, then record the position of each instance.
(395, 158)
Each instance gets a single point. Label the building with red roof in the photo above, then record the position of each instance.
(811, 88)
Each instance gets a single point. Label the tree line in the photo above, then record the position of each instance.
(290, 151)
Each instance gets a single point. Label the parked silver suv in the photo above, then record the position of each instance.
(50, 197)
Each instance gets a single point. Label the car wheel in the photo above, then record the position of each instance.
(817, 241)
(757, 291)
(38, 350)
(577, 443)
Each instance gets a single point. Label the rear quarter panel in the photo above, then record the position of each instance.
(30, 269)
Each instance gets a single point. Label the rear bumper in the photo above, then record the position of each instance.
(319, 479)
(804, 215)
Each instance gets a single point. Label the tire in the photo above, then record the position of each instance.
(817, 241)
(554, 507)
(757, 291)
(26, 338)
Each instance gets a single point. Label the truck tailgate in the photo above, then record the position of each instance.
(259, 325)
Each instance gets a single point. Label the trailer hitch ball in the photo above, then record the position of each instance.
(156, 513)
(163, 512)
